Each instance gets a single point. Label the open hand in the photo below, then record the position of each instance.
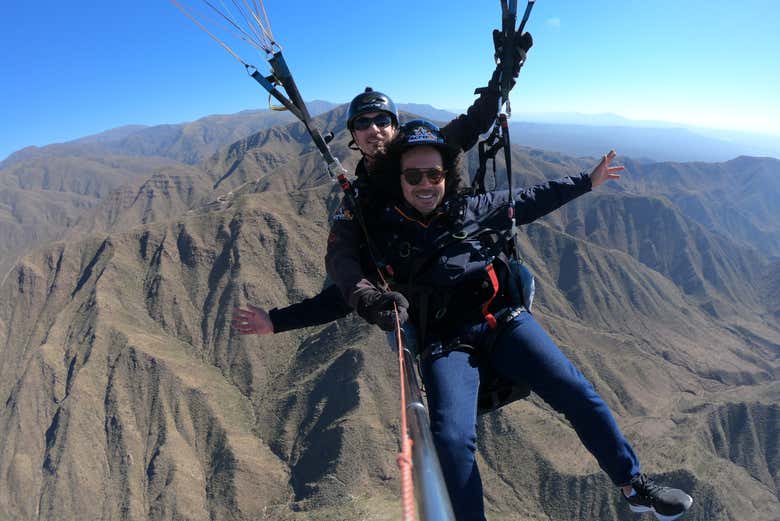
(603, 172)
(252, 321)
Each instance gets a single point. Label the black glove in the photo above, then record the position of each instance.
(377, 307)
(523, 42)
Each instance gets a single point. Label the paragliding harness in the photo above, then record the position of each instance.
(488, 293)
(498, 139)
(494, 391)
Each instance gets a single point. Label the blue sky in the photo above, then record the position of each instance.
(70, 69)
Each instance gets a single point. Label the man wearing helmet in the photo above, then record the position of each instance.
(372, 118)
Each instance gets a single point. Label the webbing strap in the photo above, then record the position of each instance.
(489, 317)
(295, 104)
(499, 137)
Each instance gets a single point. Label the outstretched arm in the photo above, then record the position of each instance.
(537, 201)
(463, 132)
(324, 307)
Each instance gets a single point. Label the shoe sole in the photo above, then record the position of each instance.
(640, 510)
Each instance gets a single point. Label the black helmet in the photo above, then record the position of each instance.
(371, 101)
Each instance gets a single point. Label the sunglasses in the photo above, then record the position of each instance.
(381, 121)
(414, 176)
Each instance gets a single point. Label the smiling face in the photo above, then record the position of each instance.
(372, 140)
(425, 196)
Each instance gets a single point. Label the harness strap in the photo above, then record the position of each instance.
(295, 104)
(489, 317)
(499, 137)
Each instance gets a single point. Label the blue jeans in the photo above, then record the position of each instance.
(522, 352)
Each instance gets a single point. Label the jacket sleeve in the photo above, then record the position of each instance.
(530, 203)
(464, 131)
(343, 257)
(327, 306)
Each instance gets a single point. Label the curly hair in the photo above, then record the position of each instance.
(386, 179)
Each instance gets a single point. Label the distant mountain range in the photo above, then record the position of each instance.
(569, 133)
(124, 253)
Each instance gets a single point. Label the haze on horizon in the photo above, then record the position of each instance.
(76, 69)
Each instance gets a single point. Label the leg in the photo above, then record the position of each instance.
(524, 351)
(452, 384)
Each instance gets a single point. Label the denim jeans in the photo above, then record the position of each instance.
(523, 351)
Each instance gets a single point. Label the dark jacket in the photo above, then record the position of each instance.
(330, 304)
(446, 277)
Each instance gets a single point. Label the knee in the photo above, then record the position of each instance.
(455, 438)
(574, 395)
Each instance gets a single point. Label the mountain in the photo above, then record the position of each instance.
(42, 197)
(168, 193)
(187, 142)
(569, 133)
(121, 378)
(591, 134)
(112, 135)
(737, 198)
(426, 111)
(656, 144)
(190, 142)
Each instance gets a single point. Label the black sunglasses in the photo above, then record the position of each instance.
(381, 121)
(414, 176)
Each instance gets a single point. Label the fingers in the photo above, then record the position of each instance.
(244, 330)
(399, 299)
(253, 321)
(240, 320)
(242, 326)
(611, 171)
(247, 314)
(241, 312)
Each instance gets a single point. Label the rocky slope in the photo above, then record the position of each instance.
(122, 382)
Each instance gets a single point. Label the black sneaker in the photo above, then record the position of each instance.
(667, 503)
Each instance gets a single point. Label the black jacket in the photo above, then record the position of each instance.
(328, 305)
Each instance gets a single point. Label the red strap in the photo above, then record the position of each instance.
(489, 318)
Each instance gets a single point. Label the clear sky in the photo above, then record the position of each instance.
(69, 69)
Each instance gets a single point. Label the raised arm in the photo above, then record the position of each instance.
(539, 200)
(464, 131)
